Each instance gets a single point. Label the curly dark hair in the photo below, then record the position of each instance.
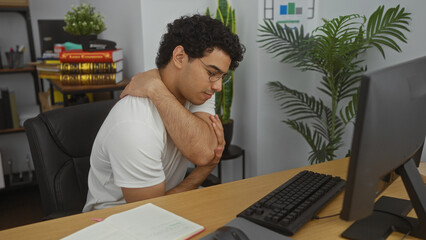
(199, 34)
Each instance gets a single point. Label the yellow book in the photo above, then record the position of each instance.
(52, 61)
(91, 79)
(91, 67)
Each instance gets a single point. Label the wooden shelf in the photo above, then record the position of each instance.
(14, 3)
(11, 130)
(17, 70)
(67, 89)
(18, 183)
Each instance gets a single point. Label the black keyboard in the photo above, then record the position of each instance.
(291, 205)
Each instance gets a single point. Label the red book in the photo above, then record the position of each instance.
(85, 56)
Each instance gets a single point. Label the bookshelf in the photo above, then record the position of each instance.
(17, 70)
(26, 69)
(20, 7)
(14, 3)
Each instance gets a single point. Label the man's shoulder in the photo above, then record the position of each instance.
(134, 110)
(131, 118)
(132, 107)
(134, 103)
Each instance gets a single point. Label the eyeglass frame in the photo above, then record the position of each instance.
(226, 78)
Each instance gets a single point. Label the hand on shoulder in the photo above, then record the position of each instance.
(142, 84)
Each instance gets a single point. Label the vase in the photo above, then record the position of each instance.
(85, 41)
(228, 129)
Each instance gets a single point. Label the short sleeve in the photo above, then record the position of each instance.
(207, 107)
(135, 151)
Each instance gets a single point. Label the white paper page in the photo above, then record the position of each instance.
(154, 223)
(147, 222)
(99, 231)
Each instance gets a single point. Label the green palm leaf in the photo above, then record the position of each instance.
(298, 105)
(380, 27)
(347, 114)
(334, 50)
(304, 130)
(321, 151)
(293, 45)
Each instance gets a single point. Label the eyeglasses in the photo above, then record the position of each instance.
(214, 77)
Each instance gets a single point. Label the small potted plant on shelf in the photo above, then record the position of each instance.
(226, 14)
(84, 22)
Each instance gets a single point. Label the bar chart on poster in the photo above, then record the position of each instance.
(292, 13)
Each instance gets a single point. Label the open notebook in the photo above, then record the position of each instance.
(147, 222)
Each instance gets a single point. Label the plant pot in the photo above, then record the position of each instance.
(85, 41)
(228, 129)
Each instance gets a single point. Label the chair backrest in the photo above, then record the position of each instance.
(61, 141)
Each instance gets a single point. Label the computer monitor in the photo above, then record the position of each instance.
(389, 135)
(51, 32)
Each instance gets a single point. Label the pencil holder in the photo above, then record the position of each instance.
(15, 59)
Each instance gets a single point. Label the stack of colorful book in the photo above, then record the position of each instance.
(80, 67)
(49, 69)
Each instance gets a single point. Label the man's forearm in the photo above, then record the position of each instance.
(193, 180)
(193, 136)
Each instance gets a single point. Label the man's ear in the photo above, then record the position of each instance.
(179, 57)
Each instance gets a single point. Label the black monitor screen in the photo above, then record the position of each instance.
(390, 130)
(51, 32)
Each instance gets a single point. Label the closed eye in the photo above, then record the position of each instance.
(211, 74)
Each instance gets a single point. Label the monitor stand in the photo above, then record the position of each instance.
(389, 214)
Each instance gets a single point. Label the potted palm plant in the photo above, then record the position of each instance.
(333, 50)
(226, 14)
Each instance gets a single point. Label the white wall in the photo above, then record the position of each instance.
(155, 17)
(245, 104)
(123, 20)
(45, 10)
(137, 26)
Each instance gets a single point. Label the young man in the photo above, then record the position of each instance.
(138, 152)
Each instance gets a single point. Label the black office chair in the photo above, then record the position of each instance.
(61, 141)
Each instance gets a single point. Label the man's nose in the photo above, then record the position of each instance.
(217, 86)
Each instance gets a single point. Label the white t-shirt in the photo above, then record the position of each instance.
(133, 150)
